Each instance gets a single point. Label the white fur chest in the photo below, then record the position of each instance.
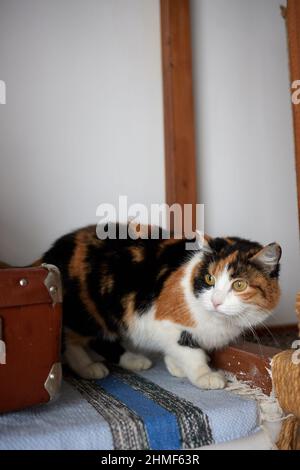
(213, 332)
(148, 333)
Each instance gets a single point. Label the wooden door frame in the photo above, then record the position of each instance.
(292, 16)
(180, 153)
(179, 120)
(179, 124)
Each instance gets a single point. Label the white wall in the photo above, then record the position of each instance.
(83, 121)
(246, 173)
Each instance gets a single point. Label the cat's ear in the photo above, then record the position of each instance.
(202, 240)
(268, 258)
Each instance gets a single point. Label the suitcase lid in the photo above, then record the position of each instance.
(30, 286)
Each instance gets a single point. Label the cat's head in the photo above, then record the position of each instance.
(237, 279)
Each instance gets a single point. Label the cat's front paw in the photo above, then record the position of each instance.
(173, 368)
(132, 361)
(210, 381)
(95, 370)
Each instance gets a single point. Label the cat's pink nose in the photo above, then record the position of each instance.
(216, 303)
(217, 298)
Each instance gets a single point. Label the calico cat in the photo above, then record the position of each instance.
(155, 295)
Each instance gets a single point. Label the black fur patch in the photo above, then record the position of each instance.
(186, 339)
(110, 350)
(113, 257)
(199, 284)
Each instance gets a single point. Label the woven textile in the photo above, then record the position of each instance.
(152, 410)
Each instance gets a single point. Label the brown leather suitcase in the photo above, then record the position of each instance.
(30, 336)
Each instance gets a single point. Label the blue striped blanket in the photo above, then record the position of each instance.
(150, 410)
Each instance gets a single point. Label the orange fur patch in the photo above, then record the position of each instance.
(137, 253)
(88, 235)
(128, 303)
(218, 267)
(79, 269)
(163, 271)
(107, 284)
(71, 337)
(171, 304)
(262, 292)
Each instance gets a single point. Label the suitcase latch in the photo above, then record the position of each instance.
(53, 283)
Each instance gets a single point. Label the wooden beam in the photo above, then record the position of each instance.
(292, 15)
(180, 159)
(248, 362)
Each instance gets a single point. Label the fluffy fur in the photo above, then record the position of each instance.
(152, 294)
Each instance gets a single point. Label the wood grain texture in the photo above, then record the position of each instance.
(298, 311)
(286, 379)
(32, 333)
(180, 160)
(249, 362)
(292, 16)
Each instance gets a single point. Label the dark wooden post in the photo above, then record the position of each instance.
(180, 158)
(292, 15)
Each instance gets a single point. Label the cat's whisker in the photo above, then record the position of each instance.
(270, 333)
(254, 335)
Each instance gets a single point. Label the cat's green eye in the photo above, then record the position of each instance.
(240, 285)
(209, 279)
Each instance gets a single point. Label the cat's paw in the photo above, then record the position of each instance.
(95, 370)
(173, 368)
(132, 361)
(210, 381)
